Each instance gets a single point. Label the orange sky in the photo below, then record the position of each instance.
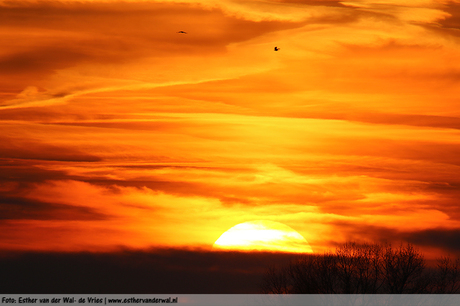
(118, 131)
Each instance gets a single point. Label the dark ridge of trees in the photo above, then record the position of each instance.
(364, 269)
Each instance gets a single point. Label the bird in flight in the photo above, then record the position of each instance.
(182, 32)
(276, 48)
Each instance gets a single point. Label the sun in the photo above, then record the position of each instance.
(262, 235)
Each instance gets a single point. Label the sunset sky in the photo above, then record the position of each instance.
(117, 131)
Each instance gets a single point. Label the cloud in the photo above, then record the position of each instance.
(444, 238)
(23, 172)
(453, 20)
(40, 60)
(13, 208)
(30, 149)
(315, 2)
(441, 238)
(72, 47)
(165, 271)
(80, 42)
(172, 139)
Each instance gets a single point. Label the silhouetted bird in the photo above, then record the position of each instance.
(182, 32)
(276, 48)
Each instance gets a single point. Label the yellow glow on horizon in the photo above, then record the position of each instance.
(262, 235)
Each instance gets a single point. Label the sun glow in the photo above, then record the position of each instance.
(262, 235)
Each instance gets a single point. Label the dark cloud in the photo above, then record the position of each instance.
(49, 114)
(23, 173)
(156, 271)
(453, 21)
(171, 187)
(43, 37)
(444, 238)
(429, 151)
(362, 232)
(447, 122)
(180, 188)
(30, 149)
(316, 2)
(176, 127)
(15, 208)
(42, 59)
(18, 178)
(142, 29)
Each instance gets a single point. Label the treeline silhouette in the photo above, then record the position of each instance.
(365, 269)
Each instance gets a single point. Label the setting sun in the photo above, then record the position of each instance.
(262, 235)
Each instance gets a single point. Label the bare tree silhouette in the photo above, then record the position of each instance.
(448, 276)
(364, 269)
(276, 281)
(403, 270)
(360, 267)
